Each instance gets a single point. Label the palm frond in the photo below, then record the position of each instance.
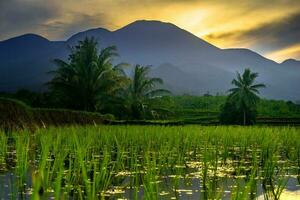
(237, 83)
(257, 86)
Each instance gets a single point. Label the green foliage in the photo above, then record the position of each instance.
(206, 110)
(278, 108)
(231, 114)
(91, 82)
(141, 99)
(88, 77)
(195, 110)
(243, 98)
(203, 103)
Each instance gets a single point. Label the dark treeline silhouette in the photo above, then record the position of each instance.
(88, 77)
(140, 98)
(91, 81)
(240, 106)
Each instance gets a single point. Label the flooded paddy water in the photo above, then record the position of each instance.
(151, 162)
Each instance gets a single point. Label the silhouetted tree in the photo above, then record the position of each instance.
(243, 97)
(231, 114)
(140, 98)
(88, 77)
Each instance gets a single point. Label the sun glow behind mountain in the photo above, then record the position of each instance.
(268, 27)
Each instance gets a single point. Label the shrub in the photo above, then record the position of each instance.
(230, 114)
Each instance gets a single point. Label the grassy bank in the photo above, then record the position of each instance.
(15, 115)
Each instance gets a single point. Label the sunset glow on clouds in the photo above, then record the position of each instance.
(270, 27)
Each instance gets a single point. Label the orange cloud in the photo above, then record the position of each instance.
(283, 54)
(204, 18)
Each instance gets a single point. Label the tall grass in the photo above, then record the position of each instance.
(3, 150)
(153, 162)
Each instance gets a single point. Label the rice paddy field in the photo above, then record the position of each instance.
(151, 162)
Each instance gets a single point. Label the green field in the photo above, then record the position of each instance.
(203, 110)
(206, 110)
(151, 162)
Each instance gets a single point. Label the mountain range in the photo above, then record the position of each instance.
(186, 63)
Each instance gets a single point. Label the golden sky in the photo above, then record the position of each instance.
(270, 27)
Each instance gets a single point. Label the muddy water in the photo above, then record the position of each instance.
(189, 187)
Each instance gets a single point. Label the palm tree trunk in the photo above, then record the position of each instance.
(244, 117)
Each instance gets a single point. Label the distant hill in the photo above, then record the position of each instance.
(187, 63)
(291, 64)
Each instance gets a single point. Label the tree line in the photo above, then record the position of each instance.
(91, 81)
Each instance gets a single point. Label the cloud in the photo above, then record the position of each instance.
(264, 26)
(63, 29)
(292, 51)
(267, 37)
(17, 16)
(280, 34)
(53, 19)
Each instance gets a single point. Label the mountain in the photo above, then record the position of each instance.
(25, 61)
(187, 63)
(291, 64)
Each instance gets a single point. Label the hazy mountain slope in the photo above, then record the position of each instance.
(100, 34)
(176, 80)
(152, 42)
(181, 82)
(25, 61)
(291, 64)
(194, 66)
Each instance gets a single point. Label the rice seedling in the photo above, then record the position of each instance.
(22, 164)
(151, 162)
(3, 150)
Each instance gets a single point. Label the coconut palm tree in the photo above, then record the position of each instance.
(245, 94)
(141, 93)
(88, 76)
